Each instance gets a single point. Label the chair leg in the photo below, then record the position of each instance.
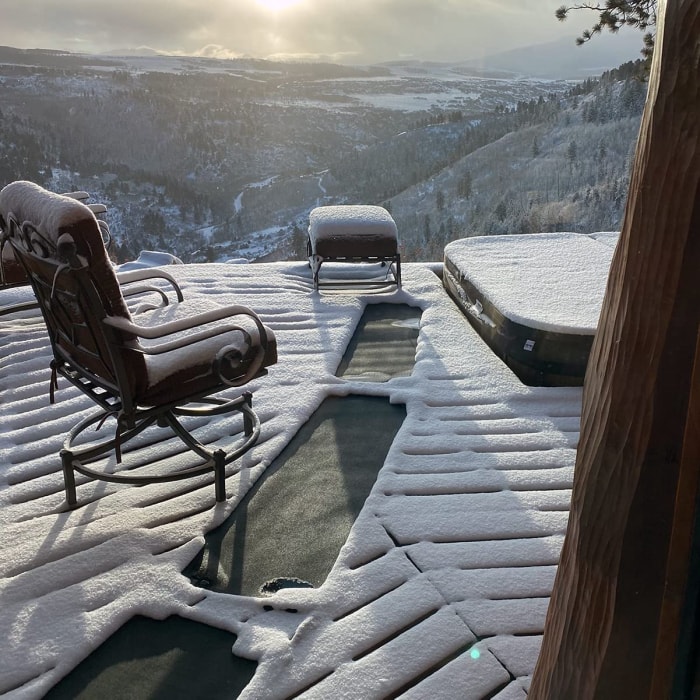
(69, 478)
(247, 418)
(118, 441)
(220, 475)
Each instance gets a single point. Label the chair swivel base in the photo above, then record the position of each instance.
(75, 459)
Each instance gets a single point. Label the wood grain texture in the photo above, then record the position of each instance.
(679, 559)
(603, 622)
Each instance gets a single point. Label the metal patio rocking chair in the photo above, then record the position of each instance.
(112, 357)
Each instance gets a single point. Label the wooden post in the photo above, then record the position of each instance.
(613, 621)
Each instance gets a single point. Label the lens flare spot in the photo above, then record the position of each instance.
(475, 653)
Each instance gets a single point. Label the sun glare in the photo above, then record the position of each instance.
(277, 4)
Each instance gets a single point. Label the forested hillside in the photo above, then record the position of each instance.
(548, 165)
(213, 160)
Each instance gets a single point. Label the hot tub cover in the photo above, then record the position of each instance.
(534, 298)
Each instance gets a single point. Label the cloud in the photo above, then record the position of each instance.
(216, 51)
(339, 57)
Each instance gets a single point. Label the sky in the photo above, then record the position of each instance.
(343, 31)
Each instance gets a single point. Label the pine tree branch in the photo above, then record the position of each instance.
(615, 14)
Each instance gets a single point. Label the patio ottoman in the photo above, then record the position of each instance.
(353, 233)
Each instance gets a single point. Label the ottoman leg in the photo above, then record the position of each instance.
(316, 262)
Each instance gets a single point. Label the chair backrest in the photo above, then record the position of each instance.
(58, 242)
(12, 272)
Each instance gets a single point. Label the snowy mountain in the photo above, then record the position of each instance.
(556, 60)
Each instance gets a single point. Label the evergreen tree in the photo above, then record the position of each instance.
(440, 200)
(426, 229)
(299, 238)
(464, 186)
(615, 14)
(501, 211)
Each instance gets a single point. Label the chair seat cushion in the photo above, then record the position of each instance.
(179, 374)
(352, 231)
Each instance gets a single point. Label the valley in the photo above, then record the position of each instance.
(217, 159)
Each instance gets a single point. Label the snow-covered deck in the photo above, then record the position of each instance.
(442, 587)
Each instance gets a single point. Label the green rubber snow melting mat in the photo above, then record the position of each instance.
(383, 345)
(160, 660)
(288, 529)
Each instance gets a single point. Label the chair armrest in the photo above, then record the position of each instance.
(137, 289)
(131, 276)
(80, 195)
(184, 324)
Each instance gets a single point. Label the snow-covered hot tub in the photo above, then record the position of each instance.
(534, 298)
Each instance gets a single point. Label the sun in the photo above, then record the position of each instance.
(275, 5)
